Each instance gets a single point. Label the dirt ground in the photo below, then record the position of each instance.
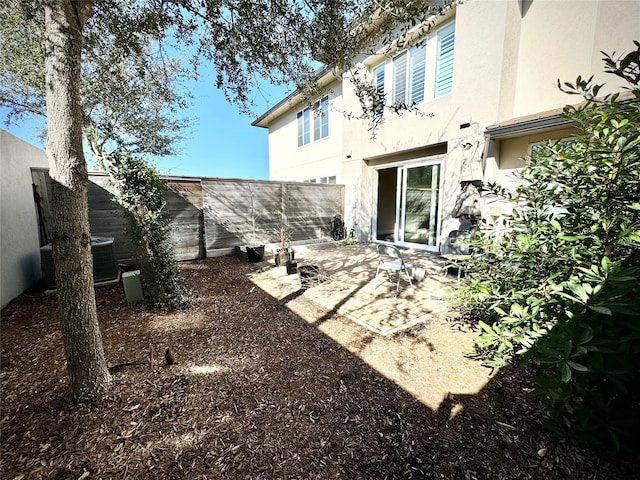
(260, 392)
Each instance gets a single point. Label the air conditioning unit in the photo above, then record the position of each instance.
(105, 267)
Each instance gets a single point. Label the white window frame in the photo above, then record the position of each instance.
(401, 186)
(411, 92)
(312, 123)
(379, 83)
(384, 74)
(563, 140)
(329, 179)
(445, 56)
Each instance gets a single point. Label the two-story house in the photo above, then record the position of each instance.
(483, 80)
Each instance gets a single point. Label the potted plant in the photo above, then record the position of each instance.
(255, 252)
(284, 255)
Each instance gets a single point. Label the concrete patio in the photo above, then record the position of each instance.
(411, 339)
(347, 285)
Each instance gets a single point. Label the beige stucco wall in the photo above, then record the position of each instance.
(320, 158)
(19, 243)
(561, 40)
(508, 57)
(506, 162)
(618, 23)
(475, 94)
(506, 66)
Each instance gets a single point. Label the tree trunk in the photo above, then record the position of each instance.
(87, 369)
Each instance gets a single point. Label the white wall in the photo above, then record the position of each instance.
(321, 158)
(19, 243)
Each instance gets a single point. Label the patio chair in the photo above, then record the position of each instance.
(458, 251)
(390, 261)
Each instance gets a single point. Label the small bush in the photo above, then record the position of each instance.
(561, 287)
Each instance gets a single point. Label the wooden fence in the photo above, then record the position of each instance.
(211, 216)
(233, 207)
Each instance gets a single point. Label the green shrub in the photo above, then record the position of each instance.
(561, 287)
(140, 192)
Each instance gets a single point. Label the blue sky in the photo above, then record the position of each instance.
(221, 143)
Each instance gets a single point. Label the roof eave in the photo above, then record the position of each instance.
(519, 127)
(324, 76)
(538, 122)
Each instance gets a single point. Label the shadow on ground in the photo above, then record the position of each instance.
(258, 392)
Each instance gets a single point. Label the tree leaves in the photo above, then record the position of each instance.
(148, 49)
(568, 270)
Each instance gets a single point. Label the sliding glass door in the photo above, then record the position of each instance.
(419, 206)
(408, 204)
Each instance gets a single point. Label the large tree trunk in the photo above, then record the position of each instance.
(88, 373)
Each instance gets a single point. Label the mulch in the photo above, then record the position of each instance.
(256, 393)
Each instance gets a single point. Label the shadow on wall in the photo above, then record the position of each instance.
(245, 212)
(210, 214)
(107, 218)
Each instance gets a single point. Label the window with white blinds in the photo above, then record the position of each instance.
(378, 78)
(423, 72)
(444, 61)
(400, 78)
(409, 69)
(314, 119)
(417, 72)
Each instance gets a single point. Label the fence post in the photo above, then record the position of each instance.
(283, 206)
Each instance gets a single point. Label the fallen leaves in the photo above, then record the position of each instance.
(258, 393)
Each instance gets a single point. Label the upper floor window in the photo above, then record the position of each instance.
(422, 72)
(378, 79)
(444, 60)
(313, 121)
(409, 69)
(331, 179)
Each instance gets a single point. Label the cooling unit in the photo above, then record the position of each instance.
(105, 267)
